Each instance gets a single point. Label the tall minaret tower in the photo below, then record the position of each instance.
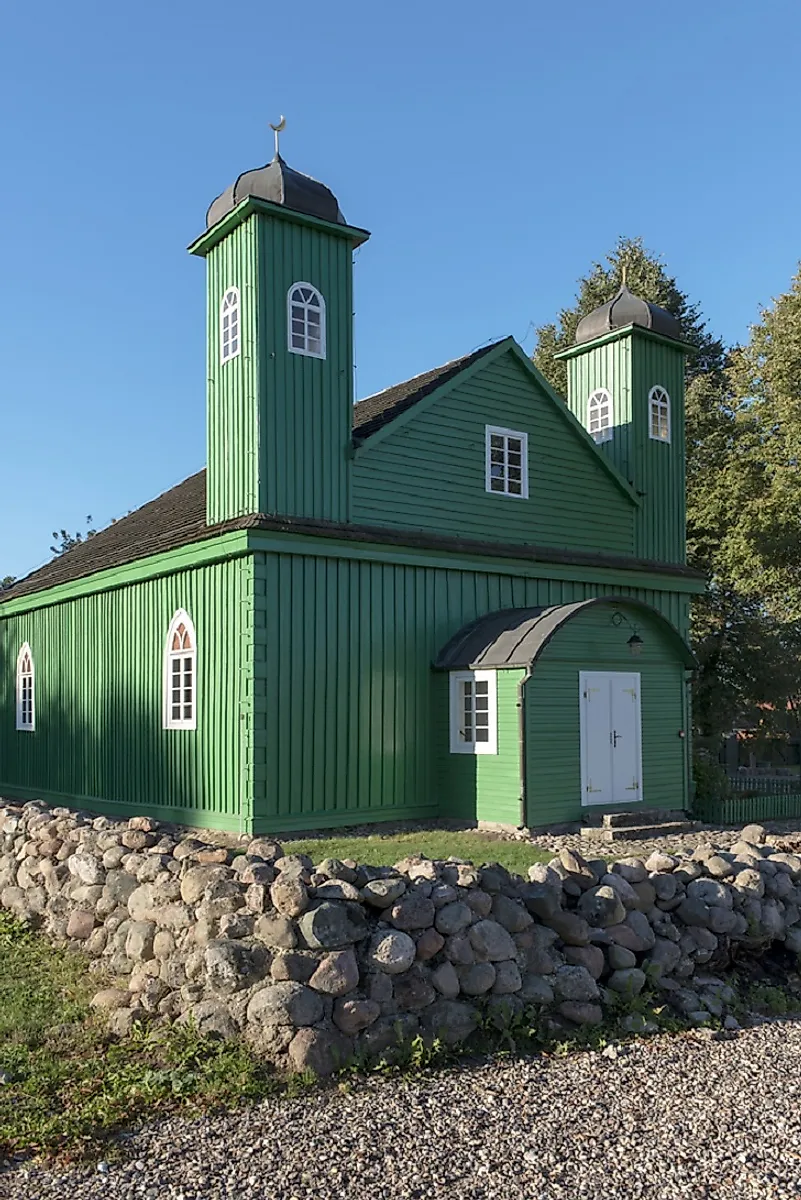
(279, 257)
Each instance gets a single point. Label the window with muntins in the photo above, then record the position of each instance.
(26, 700)
(229, 325)
(659, 414)
(180, 672)
(599, 415)
(506, 462)
(473, 716)
(306, 320)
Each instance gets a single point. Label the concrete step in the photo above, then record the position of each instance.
(639, 833)
(636, 816)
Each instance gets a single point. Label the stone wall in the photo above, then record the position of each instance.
(316, 964)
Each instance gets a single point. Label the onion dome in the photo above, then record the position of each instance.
(279, 184)
(626, 309)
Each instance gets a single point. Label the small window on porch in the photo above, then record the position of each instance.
(474, 716)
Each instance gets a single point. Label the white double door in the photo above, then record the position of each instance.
(611, 737)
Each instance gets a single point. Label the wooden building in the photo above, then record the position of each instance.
(463, 596)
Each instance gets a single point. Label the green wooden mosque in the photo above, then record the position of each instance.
(462, 597)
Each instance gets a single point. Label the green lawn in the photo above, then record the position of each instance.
(66, 1086)
(380, 850)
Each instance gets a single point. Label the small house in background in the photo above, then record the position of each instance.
(465, 596)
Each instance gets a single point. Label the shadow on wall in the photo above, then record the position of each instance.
(107, 751)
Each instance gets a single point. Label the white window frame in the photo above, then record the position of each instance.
(230, 308)
(306, 305)
(600, 400)
(459, 745)
(659, 407)
(23, 679)
(181, 617)
(491, 431)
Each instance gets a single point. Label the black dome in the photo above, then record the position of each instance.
(279, 184)
(627, 309)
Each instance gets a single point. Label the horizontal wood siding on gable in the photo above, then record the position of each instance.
(430, 473)
(553, 757)
(99, 741)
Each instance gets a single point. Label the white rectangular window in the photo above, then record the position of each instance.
(506, 462)
(474, 712)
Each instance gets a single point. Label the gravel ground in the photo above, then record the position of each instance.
(682, 1116)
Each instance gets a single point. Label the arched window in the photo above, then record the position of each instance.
(229, 324)
(659, 414)
(306, 320)
(599, 415)
(26, 702)
(180, 682)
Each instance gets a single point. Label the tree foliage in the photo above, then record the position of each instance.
(69, 540)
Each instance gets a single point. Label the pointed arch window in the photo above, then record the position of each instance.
(180, 674)
(26, 699)
(306, 320)
(229, 324)
(599, 415)
(659, 414)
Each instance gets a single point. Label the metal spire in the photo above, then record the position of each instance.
(278, 130)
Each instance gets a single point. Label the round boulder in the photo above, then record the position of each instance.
(392, 952)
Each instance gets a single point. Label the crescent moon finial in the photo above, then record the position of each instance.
(277, 130)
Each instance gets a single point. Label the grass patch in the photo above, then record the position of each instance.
(67, 1086)
(385, 849)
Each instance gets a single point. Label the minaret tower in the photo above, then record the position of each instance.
(279, 258)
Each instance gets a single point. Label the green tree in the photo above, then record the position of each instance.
(763, 553)
(69, 540)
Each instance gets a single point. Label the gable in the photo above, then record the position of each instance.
(427, 470)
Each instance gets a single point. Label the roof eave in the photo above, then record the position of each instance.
(615, 334)
(250, 205)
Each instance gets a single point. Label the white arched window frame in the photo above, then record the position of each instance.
(600, 415)
(305, 320)
(26, 690)
(180, 673)
(230, 333)
(659, 414)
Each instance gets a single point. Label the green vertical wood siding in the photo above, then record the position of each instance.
(232, 408)
(306, 403)
(430, 473)
(279, 424)
(345, 722)
(629, 366)
(553, 759)
(99, 739)
(480, 787)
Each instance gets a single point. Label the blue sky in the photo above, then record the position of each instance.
(493, 151)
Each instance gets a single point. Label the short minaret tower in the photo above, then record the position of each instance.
(279, 258)
(626, 387)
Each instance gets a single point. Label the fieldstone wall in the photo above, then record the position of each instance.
(314, 965)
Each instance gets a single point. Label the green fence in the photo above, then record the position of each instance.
(751, 798)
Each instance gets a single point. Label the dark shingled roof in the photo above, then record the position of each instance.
(173, 519)
(178, 517)
(375, 411)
